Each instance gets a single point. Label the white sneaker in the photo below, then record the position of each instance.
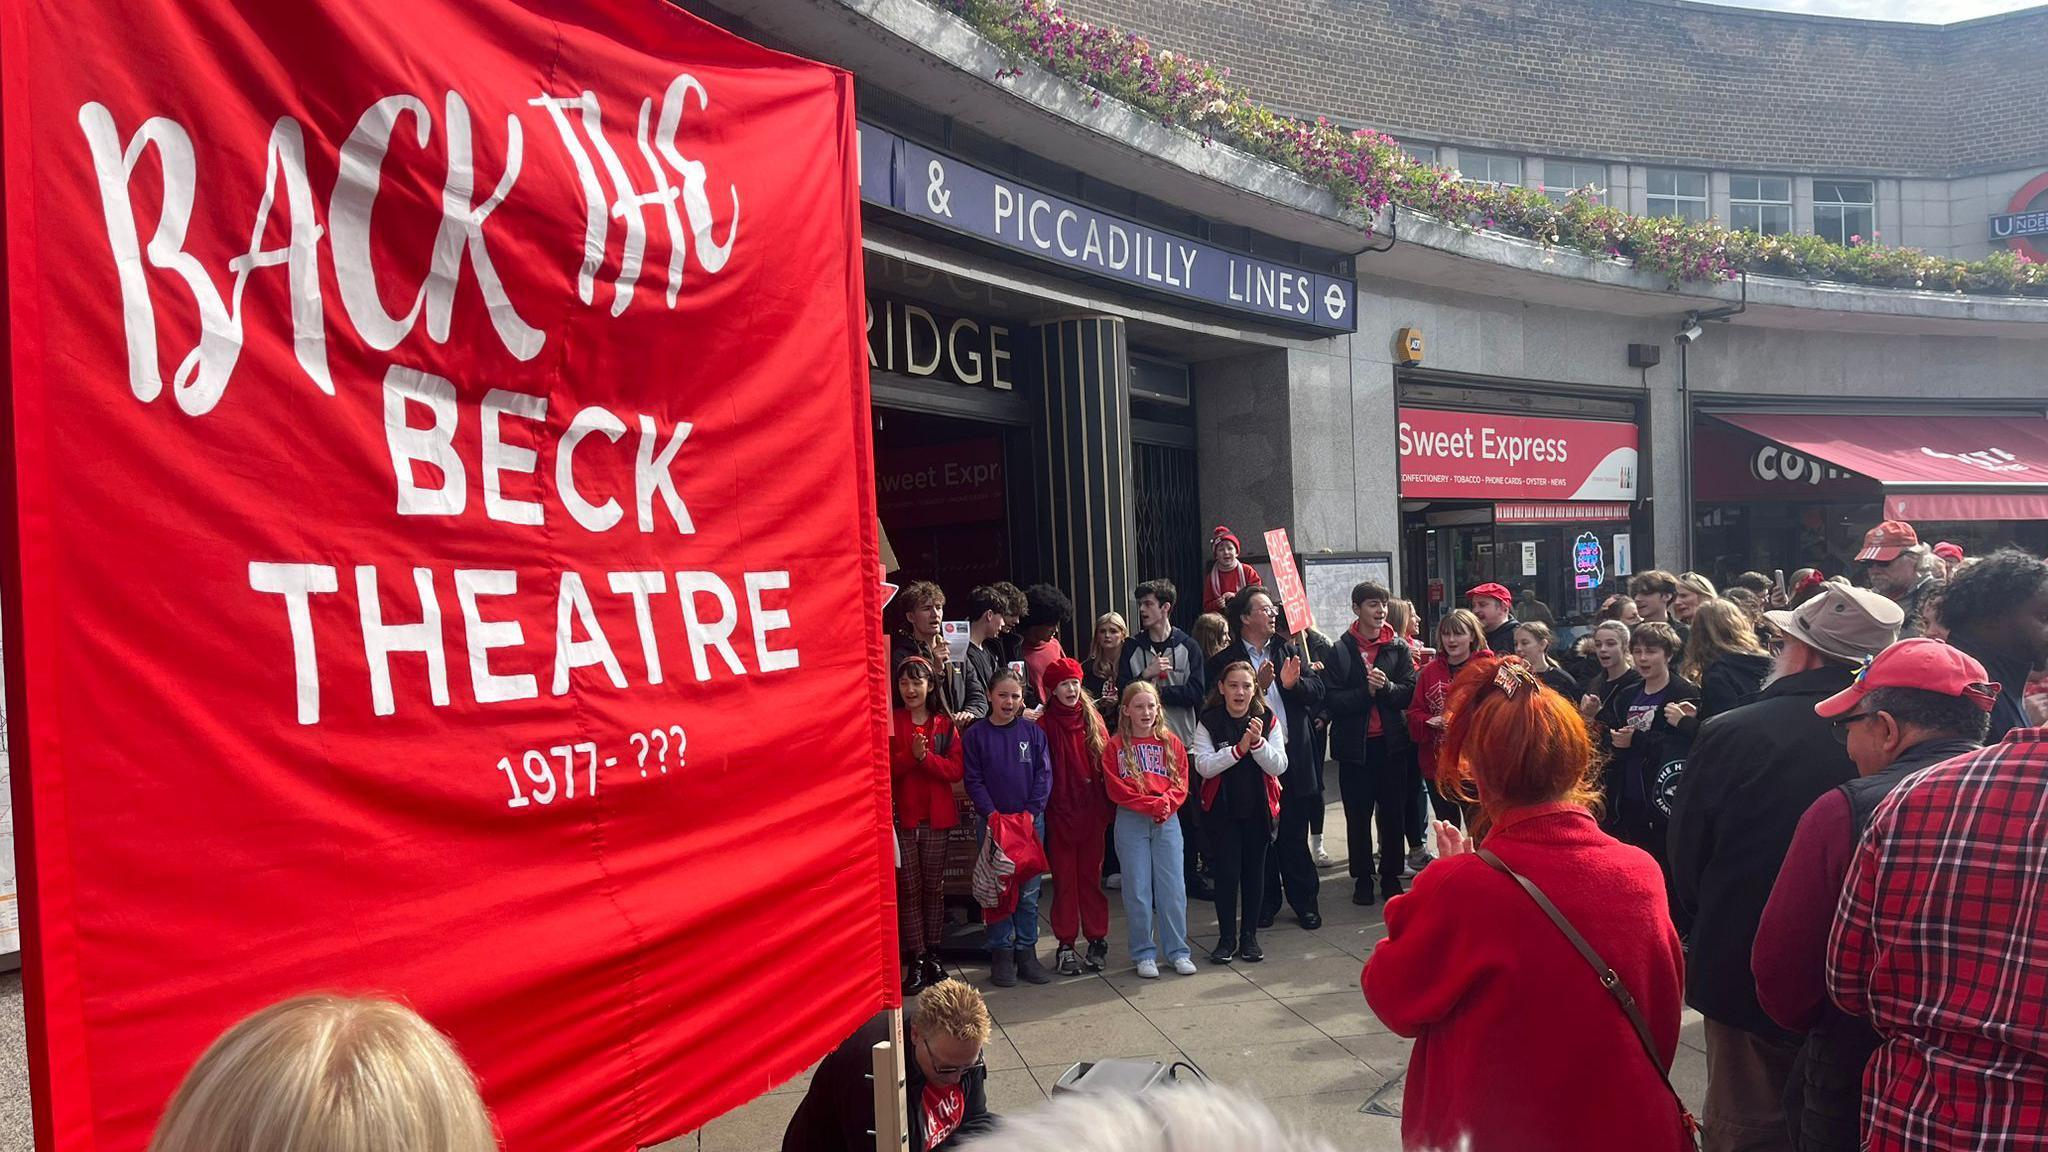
(1184, 966)
(1114, 882)
(1321, 854)
(1148, 969)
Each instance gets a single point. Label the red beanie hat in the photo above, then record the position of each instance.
(1221, 534)
(1059, 672)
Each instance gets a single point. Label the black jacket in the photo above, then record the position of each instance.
(1632, 811)
(957, 693)
(1561, 682)
(1731, 681)
(838, 1112)
(1752, 774)
(1502, 639)
(1824, 1097)
(1346, 697)
(1304, 776)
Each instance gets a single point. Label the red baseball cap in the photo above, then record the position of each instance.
(1496, 591)
(1884, 542)
(1953, 553)
(1928, 665)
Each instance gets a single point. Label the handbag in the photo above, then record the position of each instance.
(1689, 1124)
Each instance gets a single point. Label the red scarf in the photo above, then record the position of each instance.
(1066, 735)
(1368, 651)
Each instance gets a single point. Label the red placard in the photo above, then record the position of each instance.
(469, 594)
(1287, 581)
(1480, 456)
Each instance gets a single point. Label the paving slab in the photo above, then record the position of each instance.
(1321, 970)
(1337, 1014)
(1386, 1052)
(1335, 1117)
(1216, 1025)
(1293, 1068)
(1111, 1030)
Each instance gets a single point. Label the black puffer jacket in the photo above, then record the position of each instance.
(1732, 681)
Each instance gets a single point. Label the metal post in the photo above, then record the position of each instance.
(892, 1121)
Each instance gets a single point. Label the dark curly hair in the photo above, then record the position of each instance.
(1983, 595)
(1045, 604)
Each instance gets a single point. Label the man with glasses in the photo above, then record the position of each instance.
(1919, 703)
(945, 1079)
(1751, 774)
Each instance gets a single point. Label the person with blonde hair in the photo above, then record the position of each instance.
(1147, 779)
(1212, 633)
(945, 1079)
(1693, 591)
(1102, 672)
(1724, 658)
(321, 1073)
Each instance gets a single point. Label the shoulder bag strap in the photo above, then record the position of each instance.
(1609, 979)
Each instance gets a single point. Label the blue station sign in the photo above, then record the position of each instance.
(954, 194)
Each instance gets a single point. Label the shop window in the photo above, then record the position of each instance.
(1760, 204)
(1844, 211)
(1674, 192)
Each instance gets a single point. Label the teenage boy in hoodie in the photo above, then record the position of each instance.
(1170, 660)
(993, 611)
(1368, 687)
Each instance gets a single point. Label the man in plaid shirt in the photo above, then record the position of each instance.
(1941, 941)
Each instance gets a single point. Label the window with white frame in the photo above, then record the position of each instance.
(1844, 211)
(1676, 192)
(1760, 204)
(1489, 167)
(1561, 178)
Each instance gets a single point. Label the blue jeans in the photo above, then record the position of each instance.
(1020, 930)
(1153, 879)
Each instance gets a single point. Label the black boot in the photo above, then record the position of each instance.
(1002, 968)
(933, 971)
(1030, 969)
(913, 977)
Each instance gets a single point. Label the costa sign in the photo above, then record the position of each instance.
(1474, 456)
(407, 587)
(1774, 465)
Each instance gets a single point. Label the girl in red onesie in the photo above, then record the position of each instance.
(1076, 818)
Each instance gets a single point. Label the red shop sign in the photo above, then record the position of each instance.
(1477, 456)
(440, 549)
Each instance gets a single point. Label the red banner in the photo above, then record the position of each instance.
(1480, 456)
(1287, 582)
(440, 549)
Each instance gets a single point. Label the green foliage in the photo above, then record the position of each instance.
(1368, 169)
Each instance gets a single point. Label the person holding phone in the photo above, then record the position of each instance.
(1649, 730)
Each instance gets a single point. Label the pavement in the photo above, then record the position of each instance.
(1293, 1031)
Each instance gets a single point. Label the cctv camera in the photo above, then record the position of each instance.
(1690, 333)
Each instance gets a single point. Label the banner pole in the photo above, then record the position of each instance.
(892, 1122)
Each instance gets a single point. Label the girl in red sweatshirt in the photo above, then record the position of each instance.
(1148, 781)
(1076, 818)
(924, 765)
(1458, 638)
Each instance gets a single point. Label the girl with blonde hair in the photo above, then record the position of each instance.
(1148, 782)
(328, 1074)
(1099, 674)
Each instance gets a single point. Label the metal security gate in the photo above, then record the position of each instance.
(1169, 524)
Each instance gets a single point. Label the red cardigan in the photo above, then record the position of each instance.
(924, 791)
(1516, 1043)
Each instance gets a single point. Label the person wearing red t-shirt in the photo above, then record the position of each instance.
(924, 765)
(1227, 574)
(945, 1079)
(1148, 781)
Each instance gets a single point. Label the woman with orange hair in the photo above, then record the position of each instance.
(1518, 1045)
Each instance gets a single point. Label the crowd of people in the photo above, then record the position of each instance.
(1719, 797)
(1817, 813)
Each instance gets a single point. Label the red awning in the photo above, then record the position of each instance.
(1932, 467)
